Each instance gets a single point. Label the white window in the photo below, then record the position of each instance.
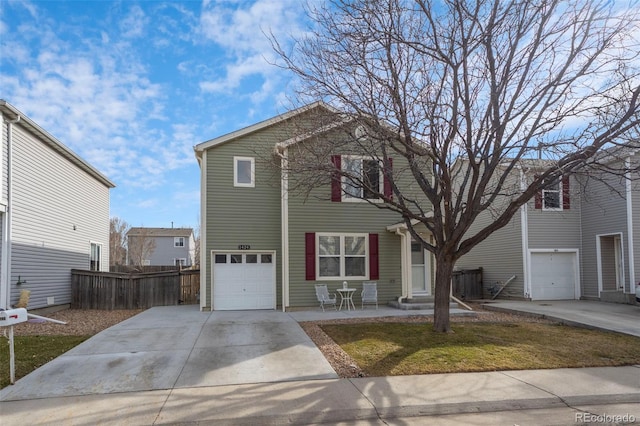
(95, 257)
(244, 171)
(552, 197)
(146, 262)
(178, 241)
(180, 262)
(342, 256)
(366, 181)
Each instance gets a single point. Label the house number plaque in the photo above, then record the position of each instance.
(244, 247)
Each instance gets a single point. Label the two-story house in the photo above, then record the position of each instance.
(264, 246)
(578, 239)
(161, 246)
(54, 213)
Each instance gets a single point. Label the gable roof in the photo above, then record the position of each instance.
(53, 143)
(259, 126)
(160, 232)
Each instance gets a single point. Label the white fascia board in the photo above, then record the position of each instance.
(296, 139)
(258, 126)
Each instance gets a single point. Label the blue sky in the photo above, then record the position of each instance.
(132, 86)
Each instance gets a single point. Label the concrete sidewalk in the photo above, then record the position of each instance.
(176, 365)
(494, 398)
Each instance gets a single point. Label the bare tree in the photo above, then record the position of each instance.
(140, 246)
(118, 229)
(465, 93)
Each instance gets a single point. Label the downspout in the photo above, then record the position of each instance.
(403, 265)
(6, 223)
(524, 234)
(282, 153)
(202, 162)
(630, 235)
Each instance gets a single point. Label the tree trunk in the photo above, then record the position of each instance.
(444, 273)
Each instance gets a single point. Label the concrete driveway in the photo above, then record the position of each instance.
(180, 347)
(618, 317)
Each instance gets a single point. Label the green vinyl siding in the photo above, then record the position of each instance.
(499, 256)
(315, 215)
(243, 215)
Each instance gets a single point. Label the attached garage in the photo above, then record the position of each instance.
(243, 281)
(554, 275)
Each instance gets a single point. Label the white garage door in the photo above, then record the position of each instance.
(553, 276)
(244, 281)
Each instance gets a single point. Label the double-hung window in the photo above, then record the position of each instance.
(178, 241)
(342, 256)
(552, 197)
(363, 180)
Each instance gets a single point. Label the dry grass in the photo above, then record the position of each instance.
(414, 348)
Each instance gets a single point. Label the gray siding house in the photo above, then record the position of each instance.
(578, 240)
(54, 213)
(264, 246)
(169, 246)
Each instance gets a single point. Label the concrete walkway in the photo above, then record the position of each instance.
(178, 365)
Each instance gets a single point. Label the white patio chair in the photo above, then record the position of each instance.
(370, 293)
(324, 297)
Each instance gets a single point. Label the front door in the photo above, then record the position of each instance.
(419, 271)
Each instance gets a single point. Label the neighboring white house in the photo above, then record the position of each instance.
(161, 246)
(54, 213)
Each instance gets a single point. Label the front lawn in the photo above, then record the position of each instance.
(390, 349)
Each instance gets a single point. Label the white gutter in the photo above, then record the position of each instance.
(283, 153)
(5, 261)
(630, 236)
(524, 232)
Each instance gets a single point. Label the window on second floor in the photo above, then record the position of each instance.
(551, 197)
(244, 171)
(178, 241)
(367, 178)
(556, 196)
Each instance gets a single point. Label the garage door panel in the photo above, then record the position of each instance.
(238, 285)
(553, 276)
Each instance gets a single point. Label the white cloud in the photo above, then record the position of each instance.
(134, 23)
(240, 29)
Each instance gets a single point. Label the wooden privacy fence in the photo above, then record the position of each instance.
(109, 290)
(467, 284)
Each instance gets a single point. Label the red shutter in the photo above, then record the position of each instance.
(336, 180)
(388, 170)
(538, 197)
(374, 267)
(310, 256)
(566, 195)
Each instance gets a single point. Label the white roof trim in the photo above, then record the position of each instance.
(258, 126)
(299, 138)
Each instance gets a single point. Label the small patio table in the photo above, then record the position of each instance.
(346, 297)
